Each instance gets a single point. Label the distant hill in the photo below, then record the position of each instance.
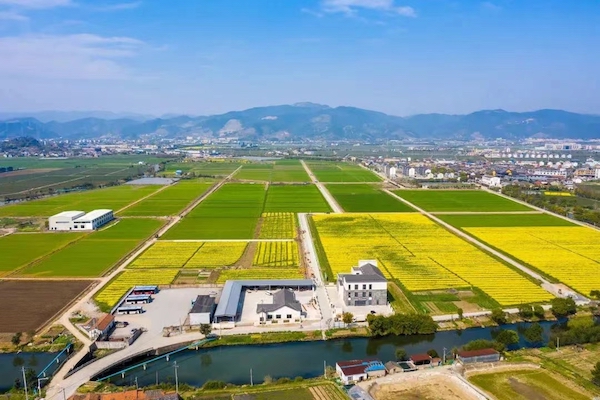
(315, 121)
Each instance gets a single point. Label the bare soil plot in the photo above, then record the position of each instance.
(29, 305)
(423, 387)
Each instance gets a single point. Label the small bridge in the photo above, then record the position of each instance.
(166, 356)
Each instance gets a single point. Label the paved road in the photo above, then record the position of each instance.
(452, 317)
(143, 198)
(58, 383)
(311, 256)
(330, 199)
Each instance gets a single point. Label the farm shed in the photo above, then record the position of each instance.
(93, 220)
(64, 220)
(202, 310)
(421, 359)
(359, 370)
(474, 356)
(393, 367)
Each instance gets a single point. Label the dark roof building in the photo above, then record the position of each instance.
(281, 298)
(420, 359)
(473, 356)
(203, 304)
(365, 273)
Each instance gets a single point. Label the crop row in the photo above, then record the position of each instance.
(276, 254)
(278, 226)
(190, 255)
(420, 254)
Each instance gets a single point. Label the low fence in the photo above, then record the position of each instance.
(56, 362)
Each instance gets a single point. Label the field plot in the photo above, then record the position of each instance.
(113, 198)
(276, 254)
(569, 254)
(217, 254)
(341, 172)
(295, 198)
(232, 212)
(112, 292)
(366, 198)
(197, 255)
(28, 305)
(170, 201)
(279, 171)
(18, 250)
(96, 253)
(500, 220)
(278, 226)
(419, 254)
(459, 200)
(528, 384)
(260, 273)
(202, 168)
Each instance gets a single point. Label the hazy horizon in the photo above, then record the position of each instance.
(400, 57)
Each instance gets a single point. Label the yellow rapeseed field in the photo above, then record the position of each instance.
(276, 254)
(190, 255)
(217, 254)
(261, 273)
(126, 280)
(569, 254)
(420, 254)
(278, 226)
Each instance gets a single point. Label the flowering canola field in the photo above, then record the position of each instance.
(420, 254)
(190, 255)
(276, 254)
(569, 254)
(278, 226)
(111, 293)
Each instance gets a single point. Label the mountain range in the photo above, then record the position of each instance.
(306, 121)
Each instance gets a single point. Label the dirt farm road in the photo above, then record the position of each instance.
(56, 386)
(330, 200)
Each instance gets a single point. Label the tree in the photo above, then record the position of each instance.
(526, 311)
(533, 334)
(595, 294)
(480, 344)
(563, 307)
(16, 339)
(507, 337)
(401, 354)
(433, 353)
(460, 313)
(596, 374)
(347, 318)
(538, 311)
(205, 329)
(499, 316)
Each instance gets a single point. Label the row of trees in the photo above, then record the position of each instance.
(401, 324)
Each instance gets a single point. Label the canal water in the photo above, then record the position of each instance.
(306, 359)
(11, 365)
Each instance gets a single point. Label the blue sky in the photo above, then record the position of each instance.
(209, 56)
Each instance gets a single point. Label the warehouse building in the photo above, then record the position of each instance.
(79, 221)
(202, 310)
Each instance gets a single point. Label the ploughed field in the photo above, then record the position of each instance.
(459, 200)
(366, 198)
(28, 305)
(418, 254)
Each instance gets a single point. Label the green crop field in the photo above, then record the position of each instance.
(170, 201)
(366, 198)
(97, 252)
(281, 171)
(528, 384)
(113, 198)
(18, 250)
(202, 168)
(459, 200)
(503, 220)
(232, 212)
(295, 198)
(341, 172)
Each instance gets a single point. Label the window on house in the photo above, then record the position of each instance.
(355, 294)
(278, 316)
(364, 294)
(289, 316)
(370, 286)
(370, 294)
(364, 287)
(355, 287)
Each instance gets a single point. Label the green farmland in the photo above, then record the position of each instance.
(295, 198)
(459, 200)
(202, 168)
(113, 198)
(280, 171)
(170, 201)
(232, 212)
(21, 249)
(341, 172)
(95, 253)
(366, 198)
(502, 220)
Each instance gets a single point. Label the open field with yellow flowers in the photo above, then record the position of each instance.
(568, 254)
(112, 292)
(276, 254)
(420, 254)
(190, 255)
(278, 226)
(261, 273)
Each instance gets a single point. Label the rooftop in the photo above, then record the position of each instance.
(203, 304)
(281, 298)
(92, 215)
(420, 357)
(105, 322)
(69, 214)
(476, 353)
(365, 273)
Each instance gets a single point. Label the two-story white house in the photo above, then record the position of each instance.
(364, 286)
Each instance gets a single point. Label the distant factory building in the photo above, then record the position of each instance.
(79, 221)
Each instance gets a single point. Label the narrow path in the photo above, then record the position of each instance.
(547, 285)
(143, 198)
(225, 240)
(330, 200)
(56, 387)
(312, 260)
(484, 212)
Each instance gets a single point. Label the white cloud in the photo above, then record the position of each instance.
(119, 6)
(12, 16)
(81, 56)
(351, 7)
(39, 4)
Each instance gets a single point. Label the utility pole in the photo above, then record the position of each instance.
(444, 359)
(175, 366)
(25, 383)
(251, 380)
(557, 343)
(325, 369)
(136, 384)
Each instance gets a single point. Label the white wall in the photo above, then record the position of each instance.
(199, 318)
(283, 313)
